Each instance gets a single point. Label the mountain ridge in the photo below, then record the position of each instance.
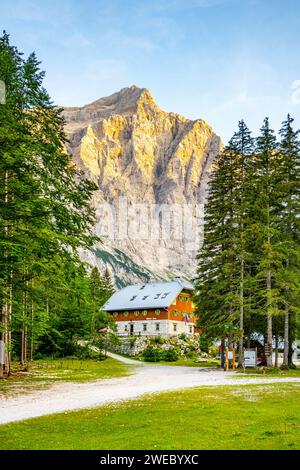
(131, 148)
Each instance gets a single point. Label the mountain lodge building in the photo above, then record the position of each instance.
(153, 309)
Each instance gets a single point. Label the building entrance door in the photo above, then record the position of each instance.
(131, 329)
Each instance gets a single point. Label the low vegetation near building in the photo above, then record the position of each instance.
(156, 349)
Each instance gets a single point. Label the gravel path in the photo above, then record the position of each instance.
(146, 379)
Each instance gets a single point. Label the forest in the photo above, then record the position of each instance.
(48, 296)
(248, 267)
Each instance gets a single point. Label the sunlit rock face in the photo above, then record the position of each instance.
(133, 149)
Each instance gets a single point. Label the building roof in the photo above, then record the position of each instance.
(146, 296)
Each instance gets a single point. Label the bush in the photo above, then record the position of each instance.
(132, 340)
(169, 355)
(182, 336)
(82, 352)
(204, 343)
(213, 350)
(157, 340)
(190, 354)
(151, 354)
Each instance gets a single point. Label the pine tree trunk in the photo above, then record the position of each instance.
(286, 339)
(5, 308)
(5, 336)
(24, 347)
(269, 325)
(1, 344)
(2, 349)
(241, 338)
(269, 304)
(32, 332)
(291, 339)
(276, 351)
(9, 317)
(24, 332)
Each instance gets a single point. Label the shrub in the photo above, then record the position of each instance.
(152, 354)
(132, 340)
(190, 354)
(169, 355)
(87, 353)
(182, 336)
(156, 340)
(213, 350)
(204, 343)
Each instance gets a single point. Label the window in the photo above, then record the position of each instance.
(156, 326)
(157, 312)
(191, 329)
(181, 298)
(144, 312)
(125, 314)
(126, 328)
(136, 313)
(144, 326)
(115, 314)
(132, 298)
(175, 313)
(187, 299)
(174, 326)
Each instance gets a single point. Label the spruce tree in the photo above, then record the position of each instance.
(96, 296)
(289, 182)
(244, 147)
(216, 298)
(267, 249)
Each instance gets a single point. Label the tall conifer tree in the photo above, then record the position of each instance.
(289, 182)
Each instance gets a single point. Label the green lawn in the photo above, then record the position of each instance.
(231, 417)
(44, 372)
(268, 373)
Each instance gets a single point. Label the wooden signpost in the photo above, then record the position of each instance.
(230, 359)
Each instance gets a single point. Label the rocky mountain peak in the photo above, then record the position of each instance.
(124, 102)
(132, 148)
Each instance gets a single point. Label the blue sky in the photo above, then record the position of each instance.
(222, 60)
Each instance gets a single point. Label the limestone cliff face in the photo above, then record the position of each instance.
(132, 148)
